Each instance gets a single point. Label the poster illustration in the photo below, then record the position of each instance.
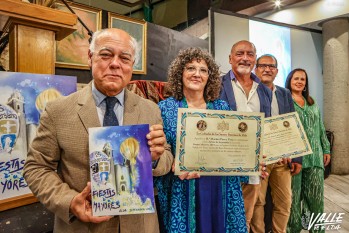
(121, 172)
(23, 97)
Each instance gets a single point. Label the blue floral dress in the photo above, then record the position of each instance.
(210, 204)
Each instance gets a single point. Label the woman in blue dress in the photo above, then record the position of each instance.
(190, 203)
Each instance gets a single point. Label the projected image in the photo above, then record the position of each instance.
(275, 40)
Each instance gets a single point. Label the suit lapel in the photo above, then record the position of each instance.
(228, 89)
(261, 97)
(131, 112)
(280, 98)
(88, 111)
(265, 98)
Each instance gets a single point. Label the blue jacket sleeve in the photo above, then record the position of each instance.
(297, 160)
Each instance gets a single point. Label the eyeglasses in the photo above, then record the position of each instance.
(202, 71)
(264, 66)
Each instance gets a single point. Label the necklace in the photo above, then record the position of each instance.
(297, 96)
(299, 100)
(202, 105)
(184, 103)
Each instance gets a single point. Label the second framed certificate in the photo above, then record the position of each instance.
(218, 143)
(284, 138)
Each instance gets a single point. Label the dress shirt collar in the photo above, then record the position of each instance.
(252, 76)
(99, 97)
(274, 88)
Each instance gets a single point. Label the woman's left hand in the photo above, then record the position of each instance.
(186, 175)
(327, 159)
(189, 176)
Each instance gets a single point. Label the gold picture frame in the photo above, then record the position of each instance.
(137, 29)
(71, 52)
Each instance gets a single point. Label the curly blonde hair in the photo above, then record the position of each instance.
(175, 73)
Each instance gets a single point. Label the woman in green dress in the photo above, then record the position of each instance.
(308, 185)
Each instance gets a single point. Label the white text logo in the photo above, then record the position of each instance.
(324, 221)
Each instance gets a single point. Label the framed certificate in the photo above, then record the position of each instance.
(218, 143)
(284, 136)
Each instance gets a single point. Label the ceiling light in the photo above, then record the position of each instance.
(277, 3)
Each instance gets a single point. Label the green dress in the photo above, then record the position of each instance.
(308, 185)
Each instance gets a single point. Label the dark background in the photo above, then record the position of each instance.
(163, 44)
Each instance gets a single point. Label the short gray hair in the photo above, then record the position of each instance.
(244, 41)
(99, 33)
(268, 55)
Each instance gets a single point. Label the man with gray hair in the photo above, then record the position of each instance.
(57, 167)
(245, 93)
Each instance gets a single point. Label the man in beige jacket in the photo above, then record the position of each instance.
(57, 167)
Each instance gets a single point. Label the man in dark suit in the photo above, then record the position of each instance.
(244, 92)
(279, 178)
(57, 167)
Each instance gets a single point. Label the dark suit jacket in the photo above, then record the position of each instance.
(285, 101)
(61, 145)
(264, 94)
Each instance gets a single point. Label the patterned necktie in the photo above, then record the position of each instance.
(109, 116)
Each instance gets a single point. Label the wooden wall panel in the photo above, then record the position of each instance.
(39, 43)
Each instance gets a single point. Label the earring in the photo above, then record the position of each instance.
(305, 89)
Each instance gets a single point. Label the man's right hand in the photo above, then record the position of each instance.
(295, 168)
(81, 207)
(284, 161)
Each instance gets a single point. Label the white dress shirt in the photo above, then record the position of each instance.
(247, 104)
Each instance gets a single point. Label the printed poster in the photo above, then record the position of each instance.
(121, 171)
(23, 97)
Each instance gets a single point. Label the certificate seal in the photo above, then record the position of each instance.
(242, 127)
(286, 124)
(201, 125)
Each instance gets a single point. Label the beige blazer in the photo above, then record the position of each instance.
(61, 145)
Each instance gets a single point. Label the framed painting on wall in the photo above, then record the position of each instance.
(71, 52)
(138, 30)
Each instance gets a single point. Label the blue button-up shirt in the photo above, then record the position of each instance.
(101, 105)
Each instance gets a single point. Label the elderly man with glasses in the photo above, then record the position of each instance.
(57, 166)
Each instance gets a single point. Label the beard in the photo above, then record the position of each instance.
(243, 70)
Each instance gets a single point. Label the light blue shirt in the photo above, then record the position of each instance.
(101, 105)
